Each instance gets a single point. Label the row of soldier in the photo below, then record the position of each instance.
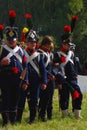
(32, 72)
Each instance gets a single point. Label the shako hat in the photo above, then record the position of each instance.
(11, 30)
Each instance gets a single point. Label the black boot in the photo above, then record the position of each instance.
(42, 116)
(12, 117)
(32, 116)
(19, 115)
(5, 118)
(49, 114)
(32, 121)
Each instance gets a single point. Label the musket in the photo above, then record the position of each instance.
(22, 76)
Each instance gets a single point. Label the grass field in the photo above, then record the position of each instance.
(57, 123)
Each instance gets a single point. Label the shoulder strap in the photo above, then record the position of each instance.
(68, 58)
(30, 60)
(48, 60)
(13, 52)
(45, 54)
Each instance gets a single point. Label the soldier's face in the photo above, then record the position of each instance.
(31, 45)
(67, 47)
(11, 43)
(51, 47)
(48, 46)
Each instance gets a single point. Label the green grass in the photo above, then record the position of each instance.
(57, 123)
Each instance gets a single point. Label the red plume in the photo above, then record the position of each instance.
(28, 18)
(73, 22)
(74, 17)
(1, 27)
(12, 15)
(67, 28)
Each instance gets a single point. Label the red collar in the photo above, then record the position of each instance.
(63, 50)
(43, 48)
(30, 51)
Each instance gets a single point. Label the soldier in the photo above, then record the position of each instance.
(46, 96)
(51, 84)
(65, 57)
(37, 73)
(12, 65)
(23, 93)
(1, 42)
(26, 94)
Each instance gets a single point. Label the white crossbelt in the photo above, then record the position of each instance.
(68, 58)
(30, 60)
(13, 52)
(47, 55)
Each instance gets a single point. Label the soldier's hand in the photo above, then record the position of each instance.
(43, 86)
(51, 77)
(24, 86)
(5, 61)
(59, 86)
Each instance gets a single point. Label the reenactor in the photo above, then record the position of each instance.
(65, 58)
(1, 42)
(37, 73)
(13, 74)
(23, 93)
(26, 94)
(44, 49)
(52, 84)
